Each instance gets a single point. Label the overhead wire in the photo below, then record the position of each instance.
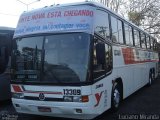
(8, 14)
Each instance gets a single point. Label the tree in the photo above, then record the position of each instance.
(114, 5)
(145, 13)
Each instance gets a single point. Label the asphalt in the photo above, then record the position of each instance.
(143, 104)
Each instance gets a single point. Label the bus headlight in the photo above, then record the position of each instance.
(18, 95)
(77, 99)
(72, 98)
(68, 98)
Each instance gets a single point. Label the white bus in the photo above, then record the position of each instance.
(78, 60)
(6, 35)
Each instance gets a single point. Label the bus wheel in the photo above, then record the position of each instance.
(150, 79)
(153, 75)
(116, 97)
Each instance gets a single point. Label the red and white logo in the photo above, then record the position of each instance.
(98, 98)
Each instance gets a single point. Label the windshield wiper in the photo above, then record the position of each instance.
(63, 64)
(49, 70)
(35, 59)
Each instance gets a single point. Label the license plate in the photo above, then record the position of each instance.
(44, 109)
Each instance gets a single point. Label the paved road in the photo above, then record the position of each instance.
(144, 104)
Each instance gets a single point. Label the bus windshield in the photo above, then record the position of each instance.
(59, 58)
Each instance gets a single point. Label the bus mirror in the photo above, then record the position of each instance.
(3, 53)
(100, 53)
(15, 52)
(2, 59)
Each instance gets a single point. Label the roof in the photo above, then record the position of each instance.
(91, 3)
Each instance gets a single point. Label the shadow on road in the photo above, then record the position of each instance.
(5, 103)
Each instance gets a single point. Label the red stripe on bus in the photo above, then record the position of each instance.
(128, 55)
(129, 58)
(17, 88)
(145, 61)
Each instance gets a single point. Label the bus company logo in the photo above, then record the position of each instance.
(98, 98)
(41, 96)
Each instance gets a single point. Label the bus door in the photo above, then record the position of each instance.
(102, 66)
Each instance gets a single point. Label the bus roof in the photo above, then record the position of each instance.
(20, 31)
(90, 3)
(77, 17)
(99, 5)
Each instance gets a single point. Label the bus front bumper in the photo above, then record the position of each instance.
(55, 109)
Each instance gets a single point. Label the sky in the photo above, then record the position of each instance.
(10, 10)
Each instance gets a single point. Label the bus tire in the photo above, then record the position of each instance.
(153, 75)
(150, 78)
(116, 97)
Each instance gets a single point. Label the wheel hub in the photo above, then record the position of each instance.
(116, 98)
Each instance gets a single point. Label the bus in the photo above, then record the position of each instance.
(78, 60)
(6, 35)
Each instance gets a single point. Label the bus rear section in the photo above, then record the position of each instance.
(6, 35)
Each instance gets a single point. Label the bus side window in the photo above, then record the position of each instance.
(120, 32)
(154, 44)
(128, 34)
(143, 40)
(114, 26)
(117, 30)
(98, 58)
(102, 24)
(151, 42)
(102, 58)
(108, 55)
(148, 42)
(131, 35)
(136, 38)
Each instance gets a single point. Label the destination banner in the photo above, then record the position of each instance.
(58, 19)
